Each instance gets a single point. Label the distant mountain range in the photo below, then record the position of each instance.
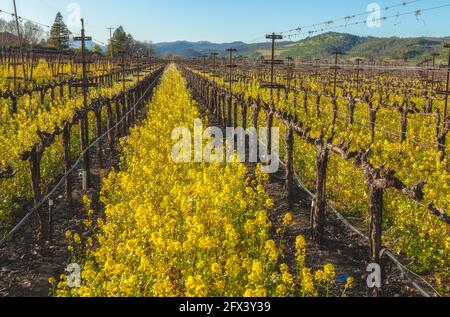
(192, 49)
(321, 46)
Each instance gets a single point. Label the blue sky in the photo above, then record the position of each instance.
(225, 21)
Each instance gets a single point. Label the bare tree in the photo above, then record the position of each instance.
(143, 48)
(8, 31)
(32, 33)
(12, 28)
(3, 25)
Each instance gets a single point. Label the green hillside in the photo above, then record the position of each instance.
(322, 46)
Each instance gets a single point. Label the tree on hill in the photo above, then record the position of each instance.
(143, 49)
(59, 34)
(121, 42)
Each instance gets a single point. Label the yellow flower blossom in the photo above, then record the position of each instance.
(288, 218)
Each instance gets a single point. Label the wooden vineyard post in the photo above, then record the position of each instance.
(289, 182)
(215, 106)
(16, 85)
(84, 139)
(244, 114)
(404, 121)
(290, 186)
(84, 122)
(208, 96)
(376, 229)
(290, 67)
(432, 82)
(229, 112)
(211, 99)
(318, 98)
(129, 99)
(358, 75)
(272, 85)
(139, 104)
(442, 135)
(447, 91)
(215, 103)
(373, 118)
(255, 117)
(230, 80)
(218, 106)
(255, 120)
(323, 153)
(50, 220)
(118, 118)
(61, 91)
(109, 125)
(135, 94)
(376, 219)
(142, 102)
(15, 63)
(318, 216)
(98, 133)
(375, 188)
(66, 150)
(270, 117)
(224, 109)
(244, 107)
(52, 93)
(221, 109)
(124, 115)
(335, 69)
(134, 106)
(14, 104)
(70, 89)
(235, 113)
(131, 108)
(351, 110)
(35, 168)
(205, 92)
